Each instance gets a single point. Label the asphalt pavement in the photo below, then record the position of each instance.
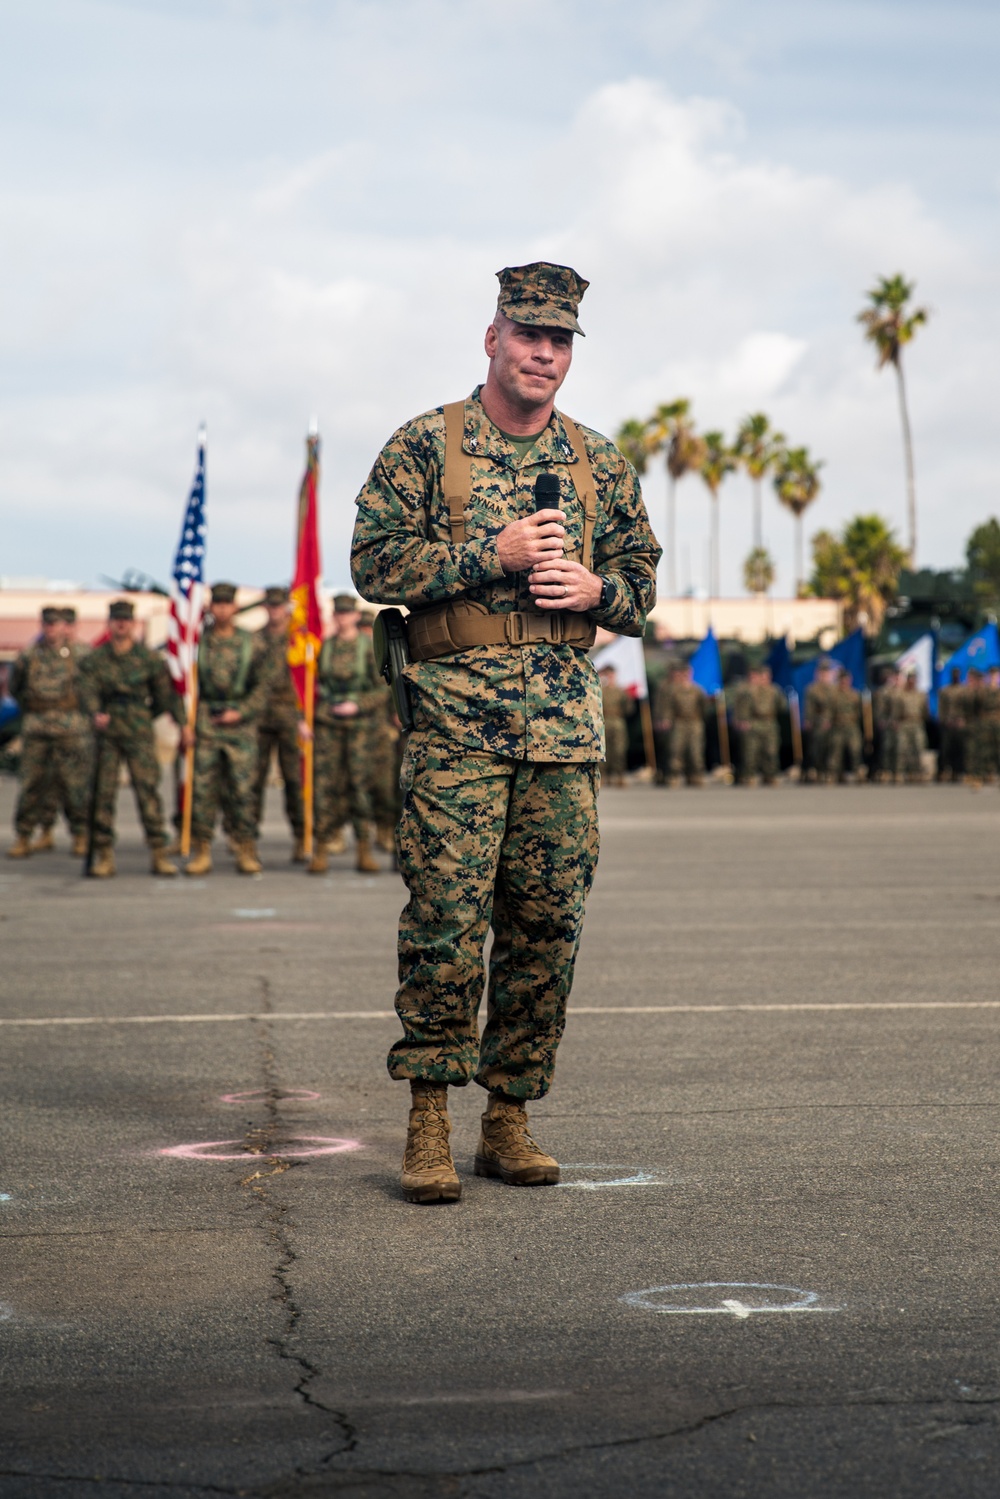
(771, 1266)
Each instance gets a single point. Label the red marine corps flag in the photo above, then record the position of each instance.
(305, 630)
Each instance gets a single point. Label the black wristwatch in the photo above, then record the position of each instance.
(607, 594)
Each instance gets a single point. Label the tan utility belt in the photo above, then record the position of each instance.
(447, 628)
(68, 704)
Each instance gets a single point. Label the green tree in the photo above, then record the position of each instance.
(796, 483)
(717, 460)
(982, 555)
(860, 566)
(759, 449)
(889, 323)
(631, 441)
(758, 571)
(671, 431)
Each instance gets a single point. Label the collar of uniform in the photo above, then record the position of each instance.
(483, 439)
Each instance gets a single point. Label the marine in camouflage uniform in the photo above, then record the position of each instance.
(910, 715)
(500, 773)
(818, 720)
(125, 686)
(234, 684)
(988, 715)
(56, 800)
(756, 706)
(953, 758)
(278, 729)
(679, 712)
(348, 694)
(56, 754)
(617, 708)
(845, 739)
(884, 713)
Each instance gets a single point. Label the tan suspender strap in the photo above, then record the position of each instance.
(583, 482)
(457, 469)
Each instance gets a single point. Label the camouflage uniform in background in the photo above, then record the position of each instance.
(756, 706)
(133, 687)
(988, 720)
(884, 715)
(618, 708)
(845, 741)
(56, 753)
(953, 723)
(233, 672)
(499, 821)
(972, 704)
(278, 733)
(819, 723)
(680, 705)
(343, 746)
(909, 715)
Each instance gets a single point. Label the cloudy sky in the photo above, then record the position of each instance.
(252, 211)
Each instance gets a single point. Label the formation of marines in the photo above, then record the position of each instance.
(88, 713)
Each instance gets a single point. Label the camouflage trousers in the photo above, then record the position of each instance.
(487, 841)
(759, 751)
(909, 743)
(687, 749)
(225, 773)
(138, 750)
(56, 771)
(385, 753)
(986, 748)
(843, 751)
(616, 741)
(818, 749)
(953, 757)
(280, 736)
(341, 772)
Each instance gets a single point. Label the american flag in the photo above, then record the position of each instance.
(187, 592)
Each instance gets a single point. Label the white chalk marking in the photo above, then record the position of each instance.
(5, 1197)
(255, 913)
(740, 1307)
(640, 1176)
(231, 1016)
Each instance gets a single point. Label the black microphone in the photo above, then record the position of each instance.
(547, 492)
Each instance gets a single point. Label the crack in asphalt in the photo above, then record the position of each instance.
(264, 1141)
(127, 1483)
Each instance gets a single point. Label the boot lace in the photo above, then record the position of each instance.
(427, 1146)
(508, 1132)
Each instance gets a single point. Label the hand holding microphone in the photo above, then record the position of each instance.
(539, 537)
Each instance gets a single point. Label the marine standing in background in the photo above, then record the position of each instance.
(234, 684)
(884, 713)
(846, 740)
(910, 716)
(679, 712)
(55, 735)
(385, 757)
(972, 702)
(818, 721)
(348, 693)
(54, 803)
(499, 822)
(278, 728)
(953, 760)
(124, 687)
(989, 725)
(618, 708)
(756, 706)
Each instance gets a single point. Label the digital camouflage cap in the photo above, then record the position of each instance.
(541, 293)
(121, 609)
(223, 593)
(275, 597)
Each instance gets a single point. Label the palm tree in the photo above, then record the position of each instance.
(670, 431)
(758, 571)
(861, 566)
(889, 325)
(631, 441)
(796, 482)
(717, 460)
(758, 448)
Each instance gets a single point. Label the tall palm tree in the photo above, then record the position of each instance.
(796, 481)
(889, 323)
(717, 460)
(758, 448)
(669, 431)
(631, 440)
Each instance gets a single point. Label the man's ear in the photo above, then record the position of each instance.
(492, 341)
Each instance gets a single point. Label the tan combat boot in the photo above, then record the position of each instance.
(200, 861)
(299, 851)
(159, 863)
(338, 843)
(45, 842)
(103, 865)
(507, 1150)
(385, 838)
(320, 861)
(79, 849)
(246, 858)
(428, 1170)
(20, 848)
(366, 862)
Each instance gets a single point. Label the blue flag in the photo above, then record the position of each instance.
(780, 662)
(706, 665)
(849, 653)
(981, 651)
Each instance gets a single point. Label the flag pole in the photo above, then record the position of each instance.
(187, 806)
(307, 750)
(796, 721)
(649, 743)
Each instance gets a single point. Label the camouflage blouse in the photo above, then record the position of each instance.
(538, 701)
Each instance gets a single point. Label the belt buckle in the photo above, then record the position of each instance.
(515, 628)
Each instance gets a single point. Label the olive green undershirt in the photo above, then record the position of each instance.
(523, 445)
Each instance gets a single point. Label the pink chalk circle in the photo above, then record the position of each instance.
(259, 1095)
(207, 1150)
